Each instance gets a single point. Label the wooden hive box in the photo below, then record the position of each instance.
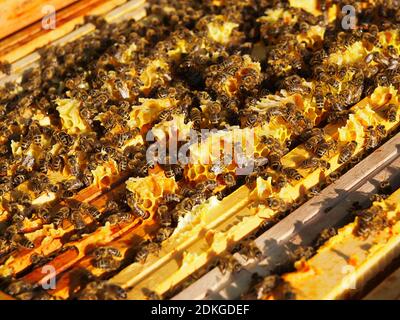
(21, 45)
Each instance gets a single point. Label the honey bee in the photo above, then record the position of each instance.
(120, 217)
(325, 147)
(17, 287)
(99, 157)
(92, 211)
(145, 250)
(251, 179)
(331, 178)
(195, 116)
(111, 207)
(36, 135)
(100, 290)
(18, 179)
(335, 117)
(5, 246)
(44, 214)
(275, 203)
(385, 187)
(4, 149)
(369, 58)
(273, 112)
(150, 295)
(163, 234)
(23, 241)
(249, 250)
(43, 165)
(267, 285)
(229, 264)
(57, 163)
(293, 84)
(137, 211)
(73, 164)
(25, 144)
(214, 109)
(87, 177)
(377, 197)
(165, 115)
(171, 197)
(64, 138)
(65, 194)
(292, 174)
(43, 295)
(36, 185)
(286, 292)
(102, 252)
(347, 152)
(371, 220)
(72, 184)
(315, 163)
(274, 158)
(251, 120)
(91, 291)
(121, 138)
(391, 113)
(207, 185)
(290, 113)
(374, 136)
(199, 197)
(312, 192)
(107, 263)
(229, 179)
(112, 292)
(122, 88)
(164, 216)
(314, 140)
(4, 168)
(5, 67)
(184, 206)
(77, 219)
(302, 252)
(280, 182)
(60, 216)
(36, 259)
(169, 171)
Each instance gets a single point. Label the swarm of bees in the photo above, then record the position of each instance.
(370, 220)
(203, 56)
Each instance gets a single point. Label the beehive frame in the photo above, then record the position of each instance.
(125, 278)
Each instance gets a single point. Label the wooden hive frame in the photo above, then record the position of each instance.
(345, 262)
(17, 14)
(170, 260)
(387, 290)
(19, 49)
(233, 219)
(113, 11)
(303, 225)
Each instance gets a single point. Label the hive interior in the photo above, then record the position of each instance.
(78, 124)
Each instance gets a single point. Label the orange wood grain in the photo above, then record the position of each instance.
(68, 258)
(34, 36)
(4, 296)
(17, 14)
(94, 195)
